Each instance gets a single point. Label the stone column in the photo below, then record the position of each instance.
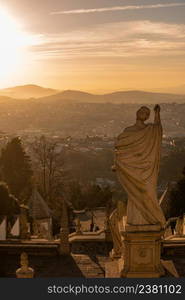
(24, 271)
(107, 230)
(24, 234)
(64, 231)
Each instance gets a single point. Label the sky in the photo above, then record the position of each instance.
(96, 46)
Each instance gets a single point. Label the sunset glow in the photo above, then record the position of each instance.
(93, 46)
(13, 44)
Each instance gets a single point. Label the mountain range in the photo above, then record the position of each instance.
(47, 95)
(116, 97)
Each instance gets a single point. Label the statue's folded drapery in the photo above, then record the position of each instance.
(137, 160)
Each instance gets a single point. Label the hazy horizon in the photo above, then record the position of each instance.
(169, 90)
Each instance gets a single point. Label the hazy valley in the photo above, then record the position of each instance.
(78, 113)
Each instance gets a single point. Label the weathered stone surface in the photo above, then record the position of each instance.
(141, 253)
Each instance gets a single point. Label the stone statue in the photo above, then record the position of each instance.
(116, 224)
(137, 158)
(24, 271)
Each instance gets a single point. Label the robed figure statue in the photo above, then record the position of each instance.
(137, 158)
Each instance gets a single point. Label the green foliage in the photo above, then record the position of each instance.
(16, 168)
(8, 203)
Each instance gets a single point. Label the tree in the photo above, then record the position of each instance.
(171, 166)
(177, 198)
(74, 193)
(8, 203)
(51, 173)
(16, 169)
(97, 196)
(88, 196)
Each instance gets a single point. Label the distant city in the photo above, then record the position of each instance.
(79, 114)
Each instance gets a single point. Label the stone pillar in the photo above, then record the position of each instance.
(64, 231)
(24, 234)
(50, 235)
(78, 226)
(141, 252)
(107, 230)
(24, 271)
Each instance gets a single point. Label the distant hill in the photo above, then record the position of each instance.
(27, 91)
(176, 89)
(116, 97)
(48, 95)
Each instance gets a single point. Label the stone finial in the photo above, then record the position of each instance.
(24, 271)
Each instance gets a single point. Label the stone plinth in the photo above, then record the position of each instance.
(28, 273)
(142, 252)
(141, 257)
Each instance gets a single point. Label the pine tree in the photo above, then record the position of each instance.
(8, 203)
(16, 168)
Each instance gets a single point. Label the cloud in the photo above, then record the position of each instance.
(116, 8)
(122, 39)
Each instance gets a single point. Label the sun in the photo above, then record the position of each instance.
(13, 42)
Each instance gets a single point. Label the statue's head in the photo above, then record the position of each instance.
(143, 113)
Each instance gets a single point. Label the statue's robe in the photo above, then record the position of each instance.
(137, 159)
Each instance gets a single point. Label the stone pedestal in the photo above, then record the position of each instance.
(141, 257)
(141, 252)
(28, 273)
